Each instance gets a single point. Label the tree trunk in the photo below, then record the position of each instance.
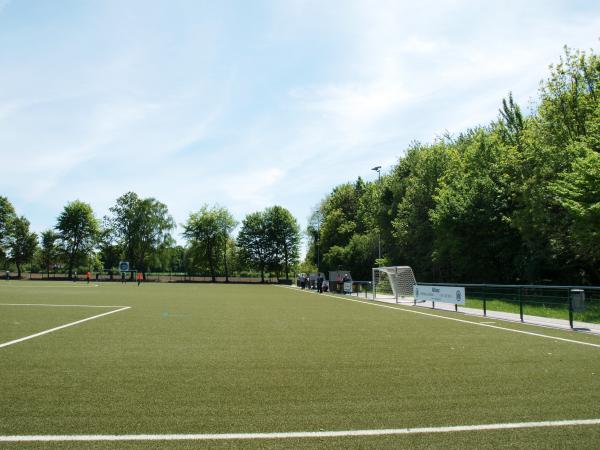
(285, 256)
(211, 263)
(18, 270)
(71, 259)
(225, 261)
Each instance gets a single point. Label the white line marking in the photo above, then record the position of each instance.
(16, 341)
(481, 324)
(295, 434)
(67, 306)
(45, 286)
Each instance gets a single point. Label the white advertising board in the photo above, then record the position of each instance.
(443, 294)
(347, 287)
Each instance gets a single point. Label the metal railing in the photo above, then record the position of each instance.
(539, 300)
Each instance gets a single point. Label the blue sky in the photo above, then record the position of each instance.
(248, 104)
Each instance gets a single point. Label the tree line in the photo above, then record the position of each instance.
(140, 230)
(515, 201)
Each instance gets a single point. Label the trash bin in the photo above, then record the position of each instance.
(577, 300)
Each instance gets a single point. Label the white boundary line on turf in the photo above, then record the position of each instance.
(47, 286)
(481, 324)
(58, 306)
(41, 333)
(295, 434)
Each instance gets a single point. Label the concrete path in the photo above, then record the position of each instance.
(563, 324)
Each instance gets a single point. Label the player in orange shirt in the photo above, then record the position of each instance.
(88, 276)
(139, 278)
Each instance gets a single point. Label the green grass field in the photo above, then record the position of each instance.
(202, 358)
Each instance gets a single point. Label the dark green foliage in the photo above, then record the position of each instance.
(7, 217)
(208, 233)
(284, 234)
(78, 232)
(22, 243)
(254, 242)
(141, 227)
(516, 201)
(270, 240)
(48, 254)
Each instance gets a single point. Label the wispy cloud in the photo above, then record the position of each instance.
(252, 106)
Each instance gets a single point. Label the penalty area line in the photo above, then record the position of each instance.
(51, 330)
(296, 434)
(61, 306)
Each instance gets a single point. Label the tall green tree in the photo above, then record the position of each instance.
(254, 242)
(208, 232)
(578, 193)
(141, 227)
(77, 231)
(49, 252)
(226, 223)
(22, 243)
(284, 233)
(7, 218)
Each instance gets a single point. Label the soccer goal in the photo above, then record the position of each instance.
(393, 283)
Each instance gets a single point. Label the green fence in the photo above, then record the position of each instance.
(535, 300)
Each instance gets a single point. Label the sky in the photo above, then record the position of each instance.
(250, 104)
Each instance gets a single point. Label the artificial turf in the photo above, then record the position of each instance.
(204, 358)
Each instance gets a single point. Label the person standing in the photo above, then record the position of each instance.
(139, 278)
(122, 277)
(88, 275)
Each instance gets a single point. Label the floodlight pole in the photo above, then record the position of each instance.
(317, 244)
(378, 170)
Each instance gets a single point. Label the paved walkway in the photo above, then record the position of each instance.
(563, 324)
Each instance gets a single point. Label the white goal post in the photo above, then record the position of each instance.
(395, 282)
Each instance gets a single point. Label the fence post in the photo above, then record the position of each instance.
(484, 306)
(570, 310)
(520, 305)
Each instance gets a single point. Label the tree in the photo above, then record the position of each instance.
(413, 185)
(49, 251)
(141, 227)
(474, 239)
(77, 231)
(313, 234)
(22, 243)
(7, 218)
(110, 250)
(208, 231)
(578, 192)
(226, 223)
(284, 234)
(254, 242)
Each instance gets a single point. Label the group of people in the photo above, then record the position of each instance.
(88, 276)
(139, 278)
(319, 283)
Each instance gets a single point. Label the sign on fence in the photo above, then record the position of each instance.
(443, 294)
(347, 287)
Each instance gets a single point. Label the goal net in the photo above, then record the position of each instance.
(393, 283)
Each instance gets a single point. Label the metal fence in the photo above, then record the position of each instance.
(153, 277)
(540, 300)
(534, 300)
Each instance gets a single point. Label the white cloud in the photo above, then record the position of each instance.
(251, 111)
